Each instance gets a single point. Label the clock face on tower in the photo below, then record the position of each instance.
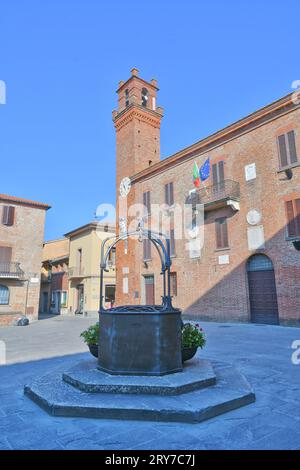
(125, 186)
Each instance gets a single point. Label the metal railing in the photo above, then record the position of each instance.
(11, 270)
(226, 189)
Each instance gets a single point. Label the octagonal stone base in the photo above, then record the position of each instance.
(86, 377)
(194, 397)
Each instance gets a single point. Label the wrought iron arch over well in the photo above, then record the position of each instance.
(140, 339)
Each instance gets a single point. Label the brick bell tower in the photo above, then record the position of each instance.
(137, 123)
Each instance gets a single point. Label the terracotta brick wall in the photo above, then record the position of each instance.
(207, 289)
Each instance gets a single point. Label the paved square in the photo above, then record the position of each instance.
(261, 353)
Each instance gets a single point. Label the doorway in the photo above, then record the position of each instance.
(262, 290)
(45, 302)
(80, 299)
(149, 290)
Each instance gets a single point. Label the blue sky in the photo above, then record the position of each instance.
(61, 60)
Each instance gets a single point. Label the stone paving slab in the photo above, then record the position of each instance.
(60, 399)
(196, 374)
(261, 353)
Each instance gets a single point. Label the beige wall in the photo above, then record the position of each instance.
(89, 241)
(55, 249)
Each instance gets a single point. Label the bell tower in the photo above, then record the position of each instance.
(137, 123)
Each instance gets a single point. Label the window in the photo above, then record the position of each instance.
(293, 217)
(218, 173)
(126, 97)
(4, 295)
(146, 249)
(172, 242)
(79, 260)
(287, 149)
(8, 215)
(147, 203)
(5, 257)
(221, 233)
(63, 298)
(173, 285)
(169, 194)
(110, 293)
(112, 257)
(145, 97)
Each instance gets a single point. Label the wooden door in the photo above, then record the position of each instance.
(149, 290)
(262, 291)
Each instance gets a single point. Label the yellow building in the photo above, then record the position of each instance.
(84, 268)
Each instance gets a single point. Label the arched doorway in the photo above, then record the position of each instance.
(262, 290)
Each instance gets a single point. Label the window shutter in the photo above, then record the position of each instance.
(146, 202)
(5, 254)
(218, 233)
(11, 215)
(224, 233)
(5, 215)
(171, 194)
(167, 194)
(215, 174)
(221, 171)
(282, 150)
(146, 249)
(8, 215)
(221, 233)
(172, 242)
(292, 147)
(297, 211)
(173, 277)
(292, 230)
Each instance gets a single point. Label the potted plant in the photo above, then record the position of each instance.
(192, 338)
(91, 338)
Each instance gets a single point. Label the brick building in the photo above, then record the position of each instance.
(248, 268)
(21, 244)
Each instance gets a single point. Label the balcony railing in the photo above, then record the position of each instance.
(76, 271)
(11, 271)
(220, 195)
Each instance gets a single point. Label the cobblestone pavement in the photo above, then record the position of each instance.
(262, 353)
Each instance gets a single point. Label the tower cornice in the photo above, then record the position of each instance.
(135, 111)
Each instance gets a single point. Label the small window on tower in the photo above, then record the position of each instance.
(145, 97)
(126, 97)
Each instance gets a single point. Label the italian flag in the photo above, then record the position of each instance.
(196, 176)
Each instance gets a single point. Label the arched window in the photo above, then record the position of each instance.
(126, 97)
(145, 97)
(259, 263)
(4, 295)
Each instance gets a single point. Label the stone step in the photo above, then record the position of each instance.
(61, 399)
(196, 374)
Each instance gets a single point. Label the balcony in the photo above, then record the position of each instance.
(225, 193)
(11, 271)
(76, 272)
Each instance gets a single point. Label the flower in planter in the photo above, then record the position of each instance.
(193, 336)
(91, 335)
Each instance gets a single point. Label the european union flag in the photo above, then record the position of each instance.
(204, 171)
